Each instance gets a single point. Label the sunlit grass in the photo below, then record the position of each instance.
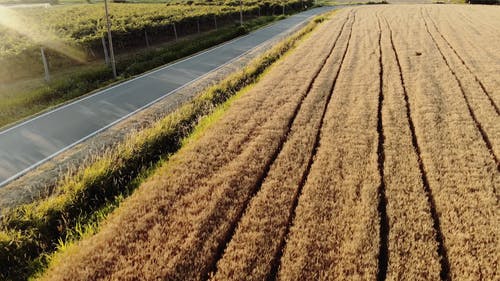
(14, 21)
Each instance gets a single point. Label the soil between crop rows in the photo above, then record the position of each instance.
(370, 152)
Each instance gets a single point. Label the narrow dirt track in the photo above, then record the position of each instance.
(369, 153)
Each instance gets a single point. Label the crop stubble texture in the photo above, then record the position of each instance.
(254, 251)
(479, 100)
(369, 153)
(172, 227)
(413, 253)
(473, 32)
(336, 230)
(461, 172)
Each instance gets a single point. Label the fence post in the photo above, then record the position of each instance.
(175, 31)
(259, 11)
(215, 21)
(45, 65)
(106, 55)
(146, 37)
(283, 8)
(110, 39)
(241, 12)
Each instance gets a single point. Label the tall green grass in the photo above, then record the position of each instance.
(31, 232)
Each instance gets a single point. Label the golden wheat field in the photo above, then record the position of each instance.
(370, 152)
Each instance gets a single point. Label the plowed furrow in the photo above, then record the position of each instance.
(491, 30)
(479, 126)
(335, 233)
(268, 166)
(444, 273)
(277, 260)
(485, 91)
(254, 251)
(383, 255)
(460, 170)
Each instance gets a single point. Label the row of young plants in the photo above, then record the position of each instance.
(30, 233)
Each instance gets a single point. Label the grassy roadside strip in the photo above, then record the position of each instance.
(86, 226)
(34, 230)
(66, 88)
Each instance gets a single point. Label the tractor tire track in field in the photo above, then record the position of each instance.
(232, 230)
(445, 264)
(472, 23)
(274, 273)
(336, 230)
(467, 102)
(488, 94)
(383, 256)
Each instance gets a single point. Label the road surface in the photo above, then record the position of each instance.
(31, 143)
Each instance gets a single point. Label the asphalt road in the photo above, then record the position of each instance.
(31, 143)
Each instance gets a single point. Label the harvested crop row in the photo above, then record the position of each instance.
(413, 249)
(475, 40)
(461, 173)
(254, 251)
(174, 225)
(335, 233)
(482, 109)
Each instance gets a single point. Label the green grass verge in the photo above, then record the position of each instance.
(14, 107)
(30, 233)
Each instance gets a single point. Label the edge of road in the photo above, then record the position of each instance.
(35, 183)
(101, 90)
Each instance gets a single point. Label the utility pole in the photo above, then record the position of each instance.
(241, 12)
(110, 39)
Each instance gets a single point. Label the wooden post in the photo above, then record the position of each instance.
(105, 48)
(215, 21)
(175, 31)
(89, 50)
(110, 39)
(241, 12)
(45, 65)
(146, 37)
(259, 11)
(283, 8)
